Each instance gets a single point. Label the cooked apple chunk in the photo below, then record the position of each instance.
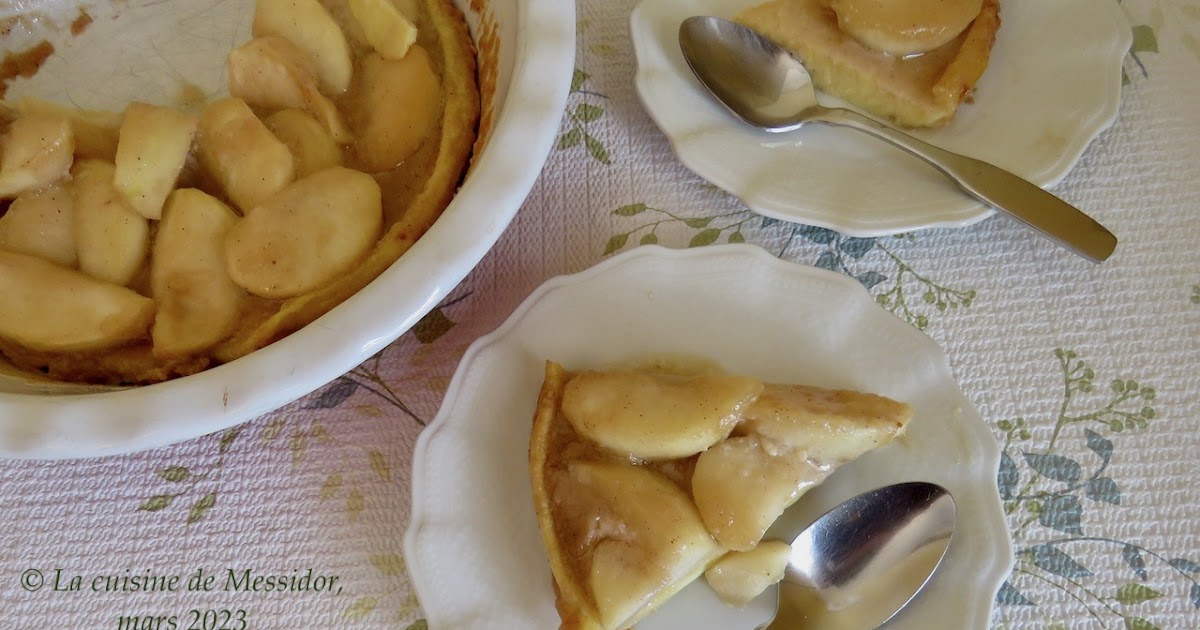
(740, 576)
(645, 536)
(743, 484)
(197, 302)
(397, 108)
(313, 30)
(307, 235)
(803, 417)
(656, 416)
(52, 309)
(313, 149)
(388, 31)
(95, 132)
(272, 73)
(37, 151)
(112, 238)
(41, 223)
(248, 162)
(153, 147)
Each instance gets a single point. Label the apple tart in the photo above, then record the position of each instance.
(644, 480)
(911, 61)
(156, 242)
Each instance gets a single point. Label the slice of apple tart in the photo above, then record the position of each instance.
(642, 480)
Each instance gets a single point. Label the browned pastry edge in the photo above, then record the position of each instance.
(575, 607)
(957, 83)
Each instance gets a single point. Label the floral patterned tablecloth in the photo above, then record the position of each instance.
(1087, 375)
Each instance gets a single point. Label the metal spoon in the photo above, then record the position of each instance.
(765, 86)
(859, 564)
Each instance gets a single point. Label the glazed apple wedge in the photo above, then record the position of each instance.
(656, 416)
(736, 512)
(111, 237)
(197, 302)
(740, 576)
(272, 73)
(661, 544)
(49, 308)
(397, 110)
(307, 235)
(388, 31)
(307, 25)
(248, 162)
(154, 145)
(96, 132)
(313, 149)
(37, 151)
(802, 417)
(40, 223)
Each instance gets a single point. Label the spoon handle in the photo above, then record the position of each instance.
(995, 187)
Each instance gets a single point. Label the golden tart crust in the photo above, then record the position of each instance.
(919, 91)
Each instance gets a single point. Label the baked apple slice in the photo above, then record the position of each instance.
(96, 132)
(641, 532)
(248, 162)
(154, 145)
(197, 302)
(307, 25)
(307, 235)
(740, 576)
(743, 484)
(387, 30)
(803, 417)
(271, 73)
(41, 223)
(37, 151)
(52, 309)
(397, 108)
(313, 149)
(112, 237)
(656, 416)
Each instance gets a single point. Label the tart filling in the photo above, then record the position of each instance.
(348, 129)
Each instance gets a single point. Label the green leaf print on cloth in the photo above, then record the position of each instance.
(581, 112)
(706, 230)
(391, 567)
(893, 282)
(1050, 488)
(199, 486)
(1144, 41)
(1161, 21)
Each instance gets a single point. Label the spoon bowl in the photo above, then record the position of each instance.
(765, 86)
(859, 564)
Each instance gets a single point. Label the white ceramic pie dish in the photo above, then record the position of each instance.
(473, 548)
(534, 64)
(1052, 85)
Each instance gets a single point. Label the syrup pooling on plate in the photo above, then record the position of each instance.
(644, 480)
(301, 151)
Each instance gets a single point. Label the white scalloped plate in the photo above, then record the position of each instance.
(1052, 85)
(473, 548)
(142, 55)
